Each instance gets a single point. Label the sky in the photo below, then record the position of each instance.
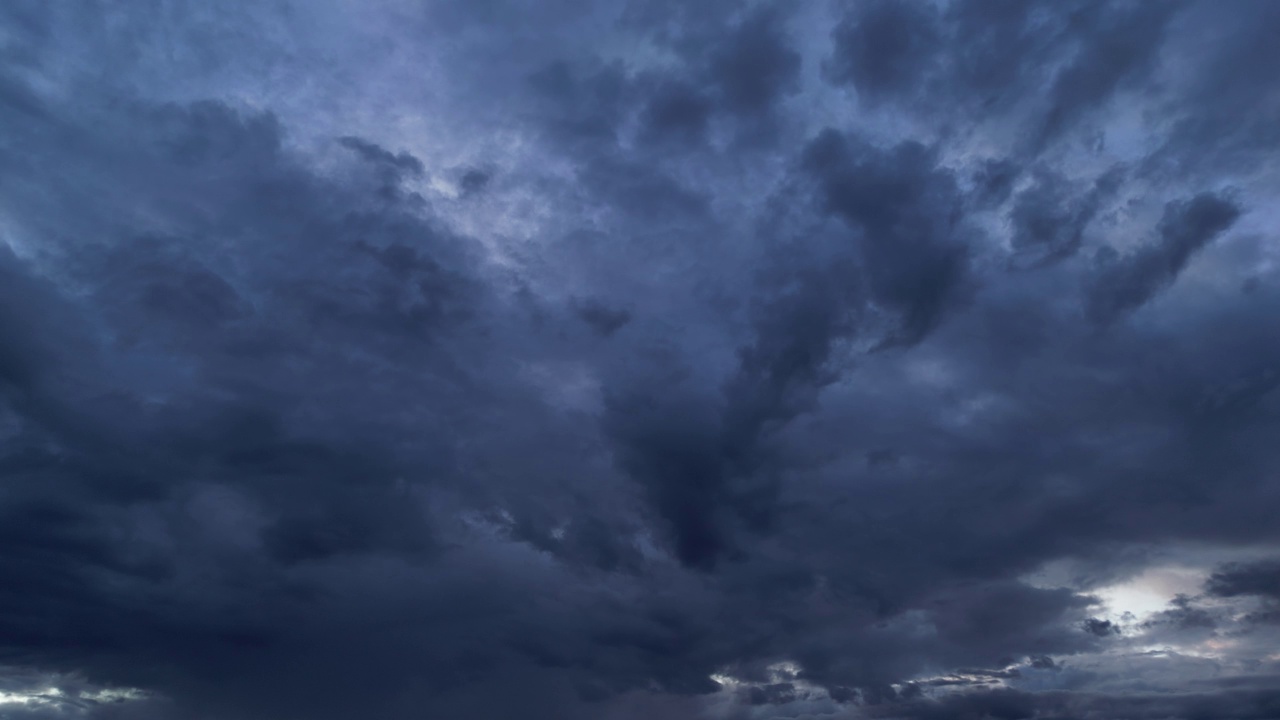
(629, 359)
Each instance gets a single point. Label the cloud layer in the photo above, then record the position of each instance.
(630, 358)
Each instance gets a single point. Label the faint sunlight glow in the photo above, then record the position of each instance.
(56, 697)
(7, 698)
(47, 696)
(726, 681)
(1219, 645)
(781, 685)
(1151, 591)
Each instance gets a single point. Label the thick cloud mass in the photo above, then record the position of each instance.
(631, 358)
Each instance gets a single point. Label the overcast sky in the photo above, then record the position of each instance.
(632, 359)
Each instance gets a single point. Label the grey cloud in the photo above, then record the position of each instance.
(391, 167)
(1100, 627)
(587, 104)
(994, 182)
(1056, 64)
(1186, 226)
(551, 360)
(908, 215)
(403, 161)
(603, 319)
(1217, 114)
(474, 181)
(754, 67)
(1050, 219)
(676, 110)
(1257, 578)
(734, 71)
(1122, 43)
(886, 48)
(707, 462)
(1017, 705)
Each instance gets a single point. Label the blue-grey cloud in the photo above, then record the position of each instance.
(630, 358)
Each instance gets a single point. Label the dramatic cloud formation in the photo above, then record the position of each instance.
(621, 359)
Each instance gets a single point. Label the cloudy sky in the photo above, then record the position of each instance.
(630, 359)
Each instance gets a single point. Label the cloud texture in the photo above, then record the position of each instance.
(633, 358)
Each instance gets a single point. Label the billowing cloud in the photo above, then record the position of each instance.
(628, 358)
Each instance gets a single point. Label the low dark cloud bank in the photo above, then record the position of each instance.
(630, 358)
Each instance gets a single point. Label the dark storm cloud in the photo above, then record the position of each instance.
(474, 181)
(733, 72)
(1125, 283)
(601, 359)
(993, 182)
(885, 48)
(1061, 62)
(83, 469)
(1253, 704)
(907, 212)
(1219, 115)
(1050, 219)
(1120, 44)
(1258, 578)
(705, 462)
(1101, 628)
(754, 67)
(676, 110)
(603, 319)
(403, 162)
(1181, 617)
